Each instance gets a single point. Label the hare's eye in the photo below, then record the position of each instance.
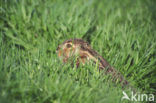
(68, 45)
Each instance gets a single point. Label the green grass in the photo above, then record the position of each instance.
(122, 31)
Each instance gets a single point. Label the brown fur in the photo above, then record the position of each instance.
(73, 47)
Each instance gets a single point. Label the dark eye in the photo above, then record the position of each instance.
(68, 45)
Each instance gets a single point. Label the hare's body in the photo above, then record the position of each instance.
(80, 48)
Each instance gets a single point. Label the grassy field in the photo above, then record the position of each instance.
(122, 31)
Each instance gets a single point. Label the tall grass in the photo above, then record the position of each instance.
(123, 32)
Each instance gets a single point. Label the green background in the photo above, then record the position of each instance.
(122, 31)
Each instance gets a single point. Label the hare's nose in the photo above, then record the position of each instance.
(57, 49)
